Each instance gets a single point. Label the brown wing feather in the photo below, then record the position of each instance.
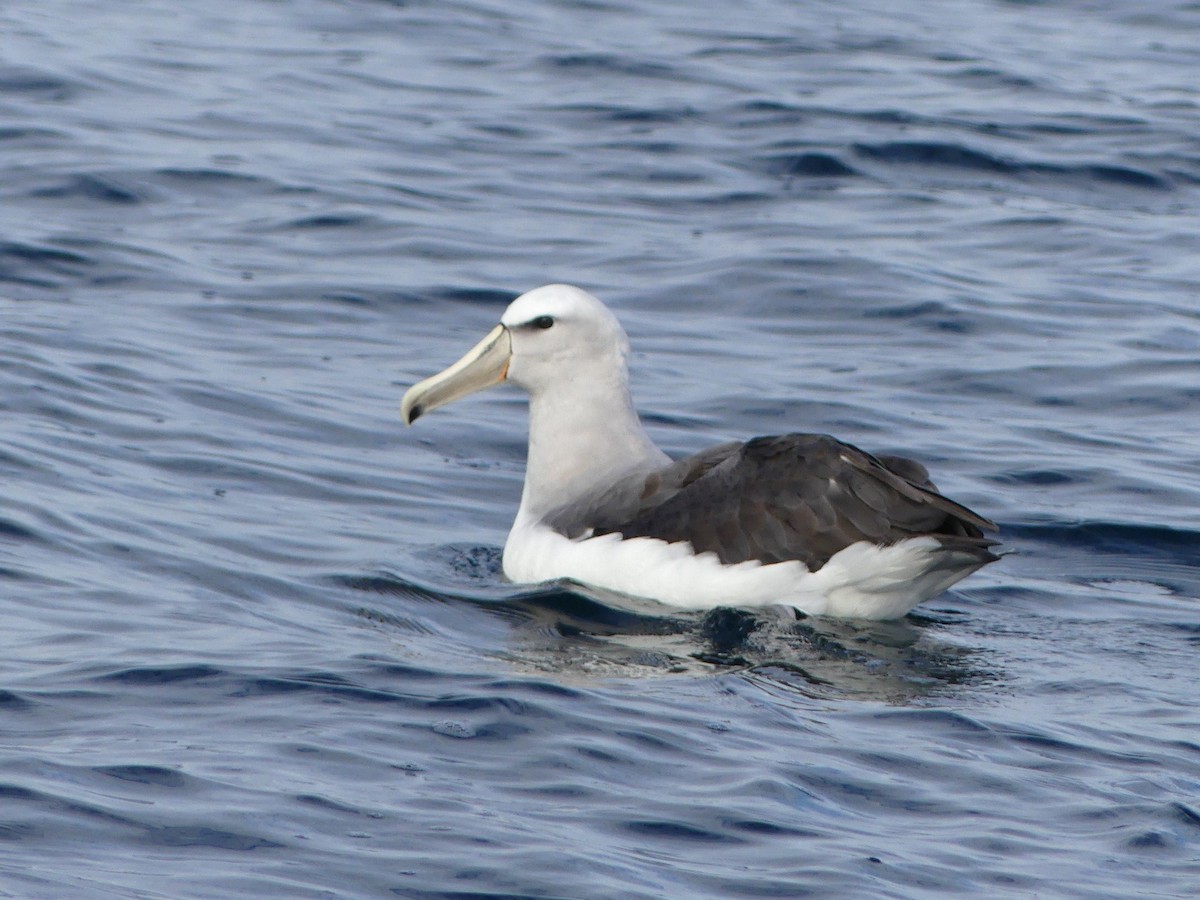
(796, 496)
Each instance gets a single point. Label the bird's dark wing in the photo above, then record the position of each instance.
(792, 497)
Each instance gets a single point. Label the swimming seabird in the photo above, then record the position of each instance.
(804, 520)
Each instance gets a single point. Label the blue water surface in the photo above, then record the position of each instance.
(255, 640)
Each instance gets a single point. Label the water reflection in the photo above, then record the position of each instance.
(574, 632)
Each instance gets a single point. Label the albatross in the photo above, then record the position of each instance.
(803, 520)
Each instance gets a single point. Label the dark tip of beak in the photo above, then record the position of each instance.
(415, 413)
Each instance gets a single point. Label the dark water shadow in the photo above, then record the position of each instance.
(1158, 542)
(1131, 557)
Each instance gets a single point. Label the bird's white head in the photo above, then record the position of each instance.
(554, 336)
(560, 332)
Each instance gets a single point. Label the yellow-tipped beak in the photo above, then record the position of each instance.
(484, 365)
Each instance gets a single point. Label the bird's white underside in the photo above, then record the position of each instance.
(860, 581)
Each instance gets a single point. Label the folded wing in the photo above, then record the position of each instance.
(791, 497)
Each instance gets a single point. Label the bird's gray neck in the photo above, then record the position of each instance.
(581, 442)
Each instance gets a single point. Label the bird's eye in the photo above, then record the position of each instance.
(543, 322)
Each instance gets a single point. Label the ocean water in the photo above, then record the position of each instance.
(254, 638)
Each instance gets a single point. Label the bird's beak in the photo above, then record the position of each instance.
(484, 365)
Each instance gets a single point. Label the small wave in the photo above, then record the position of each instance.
(329, 220)
(956, 156)
(1147, 564)
(318, 683)
(11, 531)
(809, 165)
(386, 583)
(572, 609)
(988, 77)
(489, 297)
(928, 153)
(1114, 174)
(212, 182)
(609, 63)
(38, 265)
(675, 832)
(648, 115)
(935, 315)
(591, 115)
(941, 721)
(203, 836)
(1042, 477)
(157, 776)
(36, 84)
(91, 186)
(1116, 537)
(209, 176)
(159, 675)
(1185, 814)
(9, 133)
(14, 702)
